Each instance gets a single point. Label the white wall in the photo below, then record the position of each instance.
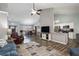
(47, 18)
(3, 24)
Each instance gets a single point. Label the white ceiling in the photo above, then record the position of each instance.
(60, 8)
(3, 6)
(20, 12)
(25, 8)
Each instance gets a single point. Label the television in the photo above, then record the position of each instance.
(67, 26)
(45, 29)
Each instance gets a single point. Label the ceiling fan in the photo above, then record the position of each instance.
(34, 11)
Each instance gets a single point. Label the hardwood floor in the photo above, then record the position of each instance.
(62, 48)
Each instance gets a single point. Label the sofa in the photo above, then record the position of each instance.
(8, 50)
(74, 51)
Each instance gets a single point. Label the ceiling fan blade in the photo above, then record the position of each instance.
(38, 13)
(39, 10)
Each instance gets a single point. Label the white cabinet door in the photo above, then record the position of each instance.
(49, 37)
(71, 35)
(43, 36)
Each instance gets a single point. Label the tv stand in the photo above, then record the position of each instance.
(46, 36)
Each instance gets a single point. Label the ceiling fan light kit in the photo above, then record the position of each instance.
(33, 11)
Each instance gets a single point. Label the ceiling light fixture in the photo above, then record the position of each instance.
(34, 11)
